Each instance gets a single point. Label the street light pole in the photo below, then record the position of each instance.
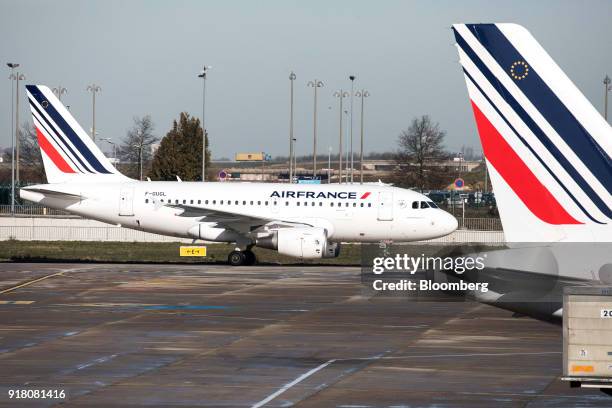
(315, 84)
(329, 165)
(12, 66)
(606, 82)
(139, 147)
(361, 94)
(203, 76)
(341, 95)
(292, 77)
(93, 88)
(110, 141)
(59, 91)
(352, 78)
(17, 132)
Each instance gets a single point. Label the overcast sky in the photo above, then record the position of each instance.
(146, 55)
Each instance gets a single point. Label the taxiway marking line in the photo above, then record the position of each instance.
(291, 384)
(30, 282)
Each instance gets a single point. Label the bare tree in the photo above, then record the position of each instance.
(420, 146)
(30, 159)
(135, 149)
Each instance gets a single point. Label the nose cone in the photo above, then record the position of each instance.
(448, 223)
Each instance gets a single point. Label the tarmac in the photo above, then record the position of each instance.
(273, 336)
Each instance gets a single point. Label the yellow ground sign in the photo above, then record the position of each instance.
(193, 251)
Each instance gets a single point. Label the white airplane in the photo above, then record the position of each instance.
(547, 151)
(304, 221)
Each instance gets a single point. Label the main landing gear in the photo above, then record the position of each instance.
(242, 258)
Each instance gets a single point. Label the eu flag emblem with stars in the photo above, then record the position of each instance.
(519, 70)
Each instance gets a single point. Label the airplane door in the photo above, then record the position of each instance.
(126, 201)
(385, 206)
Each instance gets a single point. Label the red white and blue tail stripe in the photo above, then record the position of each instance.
(66, 149)
(547, 148)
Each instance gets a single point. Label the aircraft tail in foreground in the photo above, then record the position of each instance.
(547, 148)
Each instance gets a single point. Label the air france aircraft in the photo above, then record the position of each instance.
(303, 221)
(547, 151)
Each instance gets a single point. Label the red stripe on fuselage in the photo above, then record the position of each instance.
(519, 177)
(365, 195)
(52, 153)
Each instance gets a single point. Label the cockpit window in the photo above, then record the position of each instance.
(424, 204)
(415, 204)
(432, 204)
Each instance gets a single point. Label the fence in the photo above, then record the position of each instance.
(34, 210)
(476, 224)
(480, 224)
(79, 229)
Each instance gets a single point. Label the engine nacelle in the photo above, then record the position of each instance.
(300, 243)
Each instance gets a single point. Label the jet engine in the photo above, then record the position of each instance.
(303, 242)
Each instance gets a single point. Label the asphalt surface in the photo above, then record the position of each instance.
(178, 335)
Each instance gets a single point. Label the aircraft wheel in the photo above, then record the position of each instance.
(251, 259)
(237, 258)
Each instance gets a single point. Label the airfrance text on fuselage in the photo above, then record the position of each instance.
(313, 194)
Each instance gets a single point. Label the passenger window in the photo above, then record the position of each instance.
(424, 204)
(286, 202)
(251, 202)
(361, 204)
(221, 202)
(415, 204)
(147, 201)
(275, 203)
(354, 204)
(236, 202)
(244, 203)
(266, 203)
(320, 203)
(346, 204)
(175, 201)
(162, 200)
(305, 204)
(298, 203)
(199, 201)
(331, 204)
(184, 201)
(369, 204)
(312, 204)
(259, 203)
(206, 202)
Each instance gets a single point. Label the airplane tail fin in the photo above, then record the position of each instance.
(68, 153)
(547, 148)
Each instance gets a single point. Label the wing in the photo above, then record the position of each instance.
(231, 220)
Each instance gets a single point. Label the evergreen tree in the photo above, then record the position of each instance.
(180, 151)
